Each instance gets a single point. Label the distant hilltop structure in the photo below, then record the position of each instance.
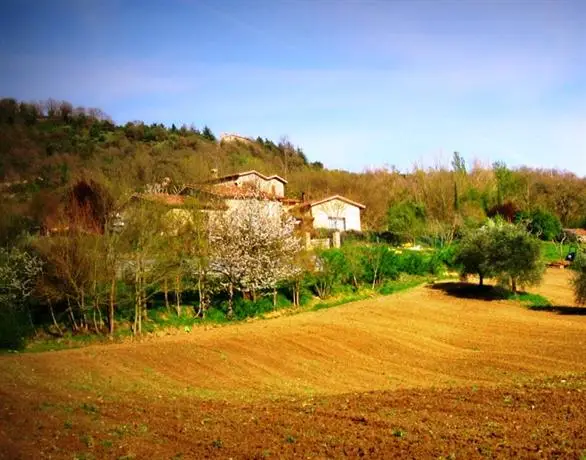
(232, 137)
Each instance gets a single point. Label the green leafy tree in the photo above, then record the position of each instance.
(503, 179)
(502, 250)
(543, 224)
(379, 264)
(144, 241)
(515, 256)
(473, 254)
(406, 219)
(331, 269)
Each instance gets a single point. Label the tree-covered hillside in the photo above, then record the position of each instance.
(55, 142)
(47, 147)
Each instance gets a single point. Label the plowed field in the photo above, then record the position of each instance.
(422, 373)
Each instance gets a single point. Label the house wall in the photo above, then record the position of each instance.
(275, 207)
(276, 187)
(336, 209)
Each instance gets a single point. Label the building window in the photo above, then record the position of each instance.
(337, 223)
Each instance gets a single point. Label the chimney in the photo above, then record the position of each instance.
(214, 173)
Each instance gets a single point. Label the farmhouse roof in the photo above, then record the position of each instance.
(161, 198)
(228, 191)
(337, 197)
(245, 173)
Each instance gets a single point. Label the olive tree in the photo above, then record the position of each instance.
(502, 250)
(515, 256)
(473, 254)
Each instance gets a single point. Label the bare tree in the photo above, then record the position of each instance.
(143, 239)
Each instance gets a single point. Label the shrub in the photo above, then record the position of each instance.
(332, 269)
(435, 264)
(247, 308)
(13, 329)
(390, 267)
(406, 219)
(413, 263)
(215, 315)
(542, 224)
(378, 263)
(447, 256)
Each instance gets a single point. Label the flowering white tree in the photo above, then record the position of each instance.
(18, 274)
(252, 246)
(19, 271)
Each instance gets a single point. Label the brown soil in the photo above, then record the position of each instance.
(419, 374)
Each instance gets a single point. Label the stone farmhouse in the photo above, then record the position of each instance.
(333, 213)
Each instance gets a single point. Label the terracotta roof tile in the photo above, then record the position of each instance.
(162, 198)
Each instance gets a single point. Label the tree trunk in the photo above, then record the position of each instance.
(178, 295)
(166, 291)
(480, 279)
(30, 318)
(100, 317)
(274, 298)
(202, 308)
(111, 306)
(230, 300)
(71, 315)
(144, 315)
(53, 317)
(94, 321)
(82, 307)
(514, 285)
(137, 302)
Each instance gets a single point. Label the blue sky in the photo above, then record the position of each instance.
(357, 84)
